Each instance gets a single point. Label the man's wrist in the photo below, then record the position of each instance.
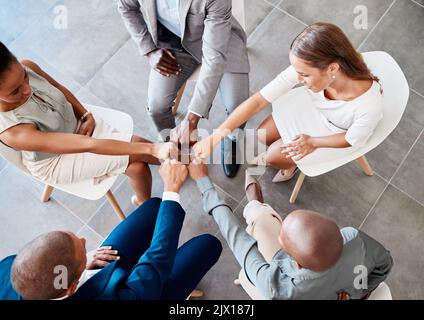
(148, 53)
(200, 177)
(171, 187)
(193, 118)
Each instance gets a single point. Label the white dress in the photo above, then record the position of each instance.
(302, 111)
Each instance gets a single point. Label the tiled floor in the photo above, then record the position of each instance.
(96, 59)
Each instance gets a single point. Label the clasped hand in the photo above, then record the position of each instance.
(300, 147)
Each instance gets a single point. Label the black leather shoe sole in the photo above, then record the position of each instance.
(229, 157)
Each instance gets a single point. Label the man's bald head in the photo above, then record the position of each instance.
(313, 240)
(33, 271)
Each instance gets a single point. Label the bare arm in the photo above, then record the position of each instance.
(28, 137)
(302, 145)
(241, 115)
(334, 141)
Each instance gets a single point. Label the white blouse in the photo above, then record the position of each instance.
(358, 117)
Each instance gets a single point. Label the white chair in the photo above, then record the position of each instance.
(382, 292)
(238, 10)
(395, 97)
(250, 289)
(84, 189)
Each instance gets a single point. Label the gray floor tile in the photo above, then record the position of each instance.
(85, 96)
(25, 53)
(400, 34)
(196, 221)
(93, 240)
(83, 208)
(23, 216)
(411, 175)
(338, 12)
(93, 36)
(398, 223)
(3, 163)
(20, 15)
(345, 194)
(129, 94)
(218, 283)
(386, 158)
(269, 50)
(256, 12)
(420, 2)
(273, 2)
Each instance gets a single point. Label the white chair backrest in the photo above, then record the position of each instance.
(395, 93)
(395, 98)
(382, 292)
(239, 12)
(13, 157)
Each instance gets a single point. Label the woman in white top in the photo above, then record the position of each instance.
(338, 106)
(60, 141)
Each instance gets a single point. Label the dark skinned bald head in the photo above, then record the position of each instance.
(32, 273)
(311, 239)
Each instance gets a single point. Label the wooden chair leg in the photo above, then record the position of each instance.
(115, 205)
(297, 187)
(363, 162)
(196, 294)
(178, 99)
(47, 192)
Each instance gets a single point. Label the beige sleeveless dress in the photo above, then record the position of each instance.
(49, 110)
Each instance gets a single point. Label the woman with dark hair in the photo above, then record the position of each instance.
(61, 142)
(338, 106)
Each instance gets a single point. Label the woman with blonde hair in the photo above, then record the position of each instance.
(338, 106)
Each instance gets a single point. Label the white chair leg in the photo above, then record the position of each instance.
(115, 205)
(297, 187)
(47, 192)
(363, 162)
(178, 99)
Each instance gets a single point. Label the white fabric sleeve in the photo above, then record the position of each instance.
(196, 113)
(364, 124)
(171, 196)
(283, 83)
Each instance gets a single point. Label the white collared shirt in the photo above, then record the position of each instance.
(168, 15)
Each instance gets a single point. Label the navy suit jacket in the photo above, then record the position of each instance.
(144, 281)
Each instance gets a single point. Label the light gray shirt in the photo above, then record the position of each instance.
(168, 15)
(281, 279)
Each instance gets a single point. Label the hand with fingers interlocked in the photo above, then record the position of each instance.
(300, 147)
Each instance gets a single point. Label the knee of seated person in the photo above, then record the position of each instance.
(138, 168)
(212, 243)
(158, 107)
(262, 138)
(271, 158)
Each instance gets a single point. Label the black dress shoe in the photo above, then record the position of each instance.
(229, 157)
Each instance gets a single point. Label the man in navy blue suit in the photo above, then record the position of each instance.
(140, 259)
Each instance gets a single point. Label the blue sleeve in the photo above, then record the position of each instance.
(149, 275)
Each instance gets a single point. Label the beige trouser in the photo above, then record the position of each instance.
(263, 224)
